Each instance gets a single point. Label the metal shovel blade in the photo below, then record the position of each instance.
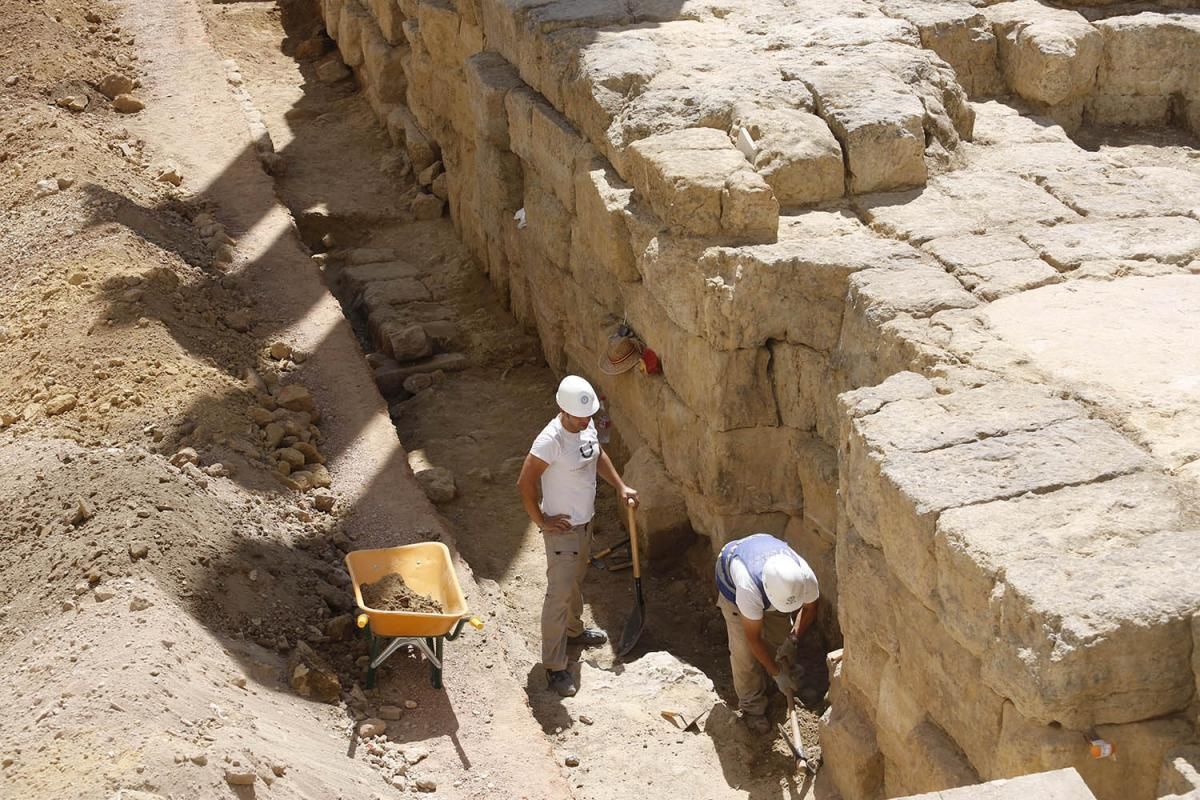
(633, 625)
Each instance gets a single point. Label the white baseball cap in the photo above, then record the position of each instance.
(577, 397)
(788, 583)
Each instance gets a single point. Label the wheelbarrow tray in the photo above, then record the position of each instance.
(427, 569)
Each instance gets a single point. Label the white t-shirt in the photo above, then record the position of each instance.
(749, 601)
(569, 483)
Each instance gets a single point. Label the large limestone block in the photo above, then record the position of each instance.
(1025, 746)
(882, 294)
(663, 526)
(698, 182)
(795, 152)
(489, 80)
(960, 34)
(1103, 190)
(803, 379)
(880, 126)
(817, 547)
(383, 64)
(1047, 55)
(919, 756)
(1174, 240)
(543, 138)
(992, 265)
(947, 681)
(353, 24)
(818, 470)
(500, 183)
(851, 754)
(602, 202)
(1060, 784)
(331, 11)
(742, 396)
(1149, 59)
(390, 19)
(792, 290)
(866, 613)
(722, 526)
(548, 223)
(913, 488)
(439, 23)
(963, 202)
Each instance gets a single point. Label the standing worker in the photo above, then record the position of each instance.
(760, 580)
(563, 463)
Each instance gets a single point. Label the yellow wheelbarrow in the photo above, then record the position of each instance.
(426, 568)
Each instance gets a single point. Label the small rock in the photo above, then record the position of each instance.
(60, 404)
(65, 182)
(127, 104)
(426, 785)
(311, 49)
(572, 761)
(83, 511)
(280, 351)
(371, 727)
(138, 603)
(103, 595)
(67, 605)
(410, 704)
(323, 502)
(291, 456)
(187, 455)
(438, 483)
(169, 174)
(341, 628)
(427, 206)
(415, 384)
(586, 720)
(199, 759)
(310, 675)
(74, 102)
(332, 69)
(295, 397)
(427, 175)
(279, 770)
(274, 433)
(311, 454)
(45, 187)
(440, 188)
(138, 550)
(217, 470)
(114, 84)
(414, 754)
(93, 17)
(240, 777)
(260, 416)
(239, 320)
(11, 80)
(390, 712)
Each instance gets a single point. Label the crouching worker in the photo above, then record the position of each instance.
(760, 581)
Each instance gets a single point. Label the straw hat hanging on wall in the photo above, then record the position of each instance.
(621, 353)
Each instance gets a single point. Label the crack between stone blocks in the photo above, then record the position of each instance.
(1044, 490)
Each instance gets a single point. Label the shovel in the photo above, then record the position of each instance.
(637, 619)
(792, 737)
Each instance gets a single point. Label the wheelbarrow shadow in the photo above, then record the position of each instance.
(405, 677)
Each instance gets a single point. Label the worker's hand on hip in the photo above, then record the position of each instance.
(783, 679)
(556, 523)
(787, 650)
(629, 496)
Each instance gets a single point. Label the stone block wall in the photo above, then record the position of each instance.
(671, 161)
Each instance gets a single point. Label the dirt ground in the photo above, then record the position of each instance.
(149, 602)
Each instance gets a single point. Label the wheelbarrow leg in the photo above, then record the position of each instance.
(374, 651)
(435, 668)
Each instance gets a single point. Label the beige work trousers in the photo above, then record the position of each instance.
(749, 677)
(567, 556)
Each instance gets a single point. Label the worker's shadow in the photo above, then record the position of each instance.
(547, 706)
(751, 762)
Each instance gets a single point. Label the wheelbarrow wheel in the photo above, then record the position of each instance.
(435, 672)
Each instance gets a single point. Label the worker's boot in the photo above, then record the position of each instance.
(560, 681)
(589, 637)
(756, 723)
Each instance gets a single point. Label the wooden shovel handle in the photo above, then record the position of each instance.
(633, 544)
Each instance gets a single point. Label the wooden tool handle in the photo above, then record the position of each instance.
(633, 544)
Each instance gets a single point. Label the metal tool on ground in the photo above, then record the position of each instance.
(637, 619)
(597, 558)
(791, 735)
(426, 568)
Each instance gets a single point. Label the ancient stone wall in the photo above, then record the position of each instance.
(787, 202)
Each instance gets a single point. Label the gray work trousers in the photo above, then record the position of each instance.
(749, 678)
(567, 556)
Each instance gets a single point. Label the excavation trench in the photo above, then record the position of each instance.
(471, 404)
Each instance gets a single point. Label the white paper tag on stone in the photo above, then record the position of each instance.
(745, 143)
(520, 218)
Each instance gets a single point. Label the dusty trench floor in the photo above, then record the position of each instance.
(341, 179)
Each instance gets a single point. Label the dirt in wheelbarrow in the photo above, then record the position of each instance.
(391, 593)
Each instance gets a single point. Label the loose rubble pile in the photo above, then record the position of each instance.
(391, 593)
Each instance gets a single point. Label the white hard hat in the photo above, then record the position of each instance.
(788, 584)
(577, 397)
